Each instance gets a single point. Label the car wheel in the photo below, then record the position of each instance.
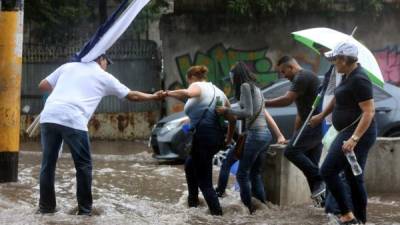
(394, 133)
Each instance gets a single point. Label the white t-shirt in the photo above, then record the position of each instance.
(334, 81)
(77, 91)
(194, 107)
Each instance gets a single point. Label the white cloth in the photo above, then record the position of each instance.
(77, 91)
(334, 81)
(116, 30)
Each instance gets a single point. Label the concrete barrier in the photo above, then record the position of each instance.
(382, 174)
(286, 185)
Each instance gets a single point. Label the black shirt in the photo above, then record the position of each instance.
(354, 88)
(305, 84)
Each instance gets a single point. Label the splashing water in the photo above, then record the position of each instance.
(132, 188)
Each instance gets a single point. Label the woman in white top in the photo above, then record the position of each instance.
(209, 137)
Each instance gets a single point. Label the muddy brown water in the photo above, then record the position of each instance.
(130, 187)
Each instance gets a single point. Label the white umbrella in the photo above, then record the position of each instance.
(329, 38)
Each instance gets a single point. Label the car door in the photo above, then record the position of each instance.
(283, 116)
(385, 109)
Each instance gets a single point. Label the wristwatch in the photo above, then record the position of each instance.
(355, 138)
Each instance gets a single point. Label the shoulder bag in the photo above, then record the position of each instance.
(332, 133)
(239, 147)
(187, 139)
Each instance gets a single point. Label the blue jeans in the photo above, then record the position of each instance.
(198, 166)
(225, 169)
(78, 141)
(249, 174)
(306, 154)
(336, 162)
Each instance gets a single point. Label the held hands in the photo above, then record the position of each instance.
(315, 120)
(159, 95)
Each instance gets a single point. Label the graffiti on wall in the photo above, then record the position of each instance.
(219, 61)
(389, 62)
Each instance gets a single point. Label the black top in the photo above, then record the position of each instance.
(305, 84)
(354, 88)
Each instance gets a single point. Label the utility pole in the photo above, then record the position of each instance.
(11, 39)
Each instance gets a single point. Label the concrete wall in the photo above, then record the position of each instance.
(285, 184)
(136, 65)
(383, 168)
(109, 126)
(218, 42)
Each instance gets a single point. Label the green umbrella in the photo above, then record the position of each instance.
(329, 38)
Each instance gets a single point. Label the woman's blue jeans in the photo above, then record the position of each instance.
(336, 161)
(249, 172)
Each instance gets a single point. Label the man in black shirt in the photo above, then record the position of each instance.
(307, 152)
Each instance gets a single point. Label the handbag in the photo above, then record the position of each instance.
(241, 140)
(332, 133)
(187, 134)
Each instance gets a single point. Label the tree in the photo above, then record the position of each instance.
(59, 20)
(262, 8)
(53, 20)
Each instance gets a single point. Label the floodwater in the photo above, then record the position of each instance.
(130, 187)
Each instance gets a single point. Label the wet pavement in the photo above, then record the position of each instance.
(130, 187)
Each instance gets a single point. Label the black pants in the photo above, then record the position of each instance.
(198, 166)
(335, 162)
(307, 153)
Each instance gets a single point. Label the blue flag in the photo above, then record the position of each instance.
(110, 30)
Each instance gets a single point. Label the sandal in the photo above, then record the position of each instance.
(354, 221)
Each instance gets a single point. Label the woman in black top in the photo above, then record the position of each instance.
(353, 103)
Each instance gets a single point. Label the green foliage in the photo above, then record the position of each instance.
(262, 8)
(150, 13)
(59, 20)
(52, 20)
(8, 5)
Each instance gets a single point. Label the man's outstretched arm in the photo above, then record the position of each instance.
(282, 101)
(141, 96)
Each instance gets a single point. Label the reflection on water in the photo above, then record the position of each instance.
(129, 187)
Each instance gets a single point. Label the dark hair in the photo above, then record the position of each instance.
(285, 60)
(349, 60)
(200, 72)
(242, 74)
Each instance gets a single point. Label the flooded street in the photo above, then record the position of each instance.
(130, 187)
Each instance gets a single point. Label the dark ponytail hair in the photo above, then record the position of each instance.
(242, 74)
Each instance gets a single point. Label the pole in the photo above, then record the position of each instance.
(11, 26)
(354, 31)
(314, 106)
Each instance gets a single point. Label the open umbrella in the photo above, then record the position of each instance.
(329, 38)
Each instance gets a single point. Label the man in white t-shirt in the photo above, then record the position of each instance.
(76, 90)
